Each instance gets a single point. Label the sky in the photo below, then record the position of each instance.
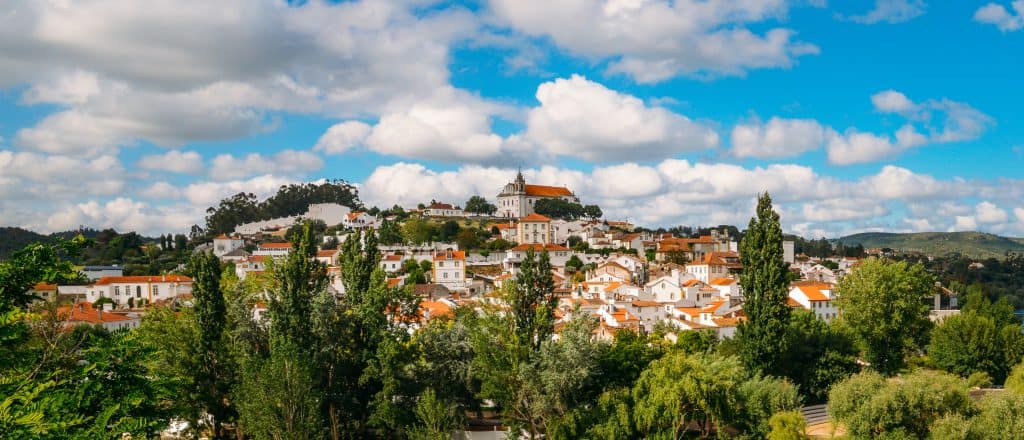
(884, 115)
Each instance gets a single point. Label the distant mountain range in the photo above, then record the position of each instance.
(972, 244)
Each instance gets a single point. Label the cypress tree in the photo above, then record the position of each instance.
(765, 285)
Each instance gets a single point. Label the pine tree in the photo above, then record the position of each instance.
(764, 282)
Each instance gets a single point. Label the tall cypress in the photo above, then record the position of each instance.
(533, 300)
(765, 286)
(214, 377)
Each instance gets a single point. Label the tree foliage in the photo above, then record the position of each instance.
(882, 303)
(765, 286)
(290, 200)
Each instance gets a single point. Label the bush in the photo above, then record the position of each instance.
(787, 425)
(872, 407)
(1015, 381)
(761, 397)
(980, 379)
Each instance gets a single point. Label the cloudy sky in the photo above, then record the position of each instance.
(898, 115)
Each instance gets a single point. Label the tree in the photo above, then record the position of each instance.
(558, 208)
(389, 233)
(970, 343)
(817, 355)
(764, 282)
(479, 205)
(417, 230)
(533, 300)
(592, 211)
(871, 406)
(436, 418)
(448, 231)
(180, 242)
(468, 239)
(214, 376)
(787, 425)
(882, 305)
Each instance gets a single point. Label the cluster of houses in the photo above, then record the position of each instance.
(627, 280)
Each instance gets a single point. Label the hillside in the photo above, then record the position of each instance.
(972, 244)
(12, 239)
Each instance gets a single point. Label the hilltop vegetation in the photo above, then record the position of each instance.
(288, 201)
(969, 244)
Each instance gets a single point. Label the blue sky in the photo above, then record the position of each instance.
(896, 115)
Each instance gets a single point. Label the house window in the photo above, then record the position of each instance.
(440, 264)
(446, 275)
(156, 290)
(117, 290)
(138, 291)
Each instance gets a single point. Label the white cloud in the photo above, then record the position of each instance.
(987, 212)
(655, 40)
(343, 137)
(205, 194)
(127, 73)
(891, 101)
(778, 138)
(964, 223)
(286, 162)
(184, 162)
(161, 191)
(124, 214)
(855, 147)
(581, 118)
(892, 11)
(997, 14)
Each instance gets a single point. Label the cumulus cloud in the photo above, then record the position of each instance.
(183, 162)
(285, 162)
(892, 11)
(124, 214)
(209, 193)
(581, 118)
(998, 15)
(652, 41)
(987, 212)
(777, 138)
(343, 137)
(127, 73)
(933, 121)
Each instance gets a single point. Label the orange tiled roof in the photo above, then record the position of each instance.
(723, 281)
(275, 245)
(44, 286)
(450, 255)
(326, 253)
(638, 303)
(392, 282)
(436, 308)
(143, 279)
(392, 258)
(534, 217)
(547, 191)
(691, 283)
(83, 312)
(813, 291)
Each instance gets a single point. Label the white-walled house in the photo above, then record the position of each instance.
(392, 263)
(328, 256)
(273, 249)
(817, 297)
(558, 255)
(223, 244)
(83, 313)
(449, 269)
(151, 288)
(727, 287)
(359, 220)
(438, 209)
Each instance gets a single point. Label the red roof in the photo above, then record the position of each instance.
(392, 257)
(547, 191)
(326, 253)
(44, 286)
(143, 279)
(83, 312)
(275, 246)
(535, 218)
(450, 255)
(813, 290)
(440, 206)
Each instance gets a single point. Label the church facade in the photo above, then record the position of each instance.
(517, 198)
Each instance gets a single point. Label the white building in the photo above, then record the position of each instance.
(438, 209)
(392, 263)
(817, 297)
(359, 220)
(149, 288)
(329, 213)
(273, 249)
(94, 273)
(534, 228)
(83, 313)
(517, 198)
(449, 269)
(223, 244)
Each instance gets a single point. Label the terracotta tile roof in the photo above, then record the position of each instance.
(612, 286)
(450, 255)
(691, 283)
(539, 247)
(143, 279)
(326, 253)
(547, 191)
(392, 258)
(711, 308)
(723, 281)
(792, 303)
(692, 311)
(440, 205)
(83, 312)
(505, 226)
(813, 291)
(638, 303)
(44, 286)
(221, 237)
(435, 308)
(275, 245)
(535, 218)
(726, 322)
(392, 282)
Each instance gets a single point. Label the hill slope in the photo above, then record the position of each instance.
(973, 244)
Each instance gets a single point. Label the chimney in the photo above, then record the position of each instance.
(99, 312)
(81, 308)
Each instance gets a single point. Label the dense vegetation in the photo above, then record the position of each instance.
(561, 209)
(288, 201)
(968, 244)
(348, 367)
